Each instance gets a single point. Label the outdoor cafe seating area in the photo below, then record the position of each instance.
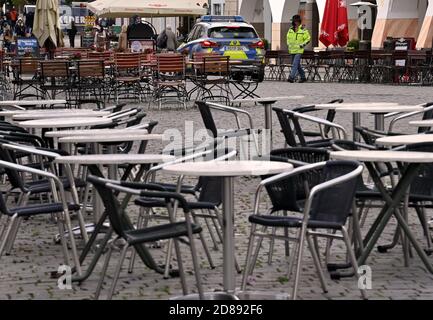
(89, 169)
(79, 74)
(398, 67)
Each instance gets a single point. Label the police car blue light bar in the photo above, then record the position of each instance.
(222, 19)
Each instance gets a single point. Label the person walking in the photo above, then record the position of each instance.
(14, 16)
(72, 32)
(171, 39)
(297, 39)
(123, 39)
(20, 28)
(100, 39)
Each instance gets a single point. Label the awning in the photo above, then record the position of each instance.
(147, 8)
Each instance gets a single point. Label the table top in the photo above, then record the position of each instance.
(405, 139)
(383, 156)
(268, 99)
(115, 159)
(31, 102)
(48, 114)
(421, 123)
(228, 168)
(10, 113)
(120, 137)
(89, 132)
(333, 106)
(65, 123)
(378, 109)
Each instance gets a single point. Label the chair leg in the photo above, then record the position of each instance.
(301, 243)
(316, 260)
(7, 234)
(353, 259)
(205, 247)
(271, 245)
(180, 267)
(212, 236)
(248, 257)
(104, 271)
(13, 235)
(117, 272)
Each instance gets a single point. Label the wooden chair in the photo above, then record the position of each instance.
(127, 75)
(215, 76)
(56, 77)
(90, 80)
(169, 79)
(26, 76)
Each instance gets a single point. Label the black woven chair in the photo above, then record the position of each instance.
(327, 207)
(24, 211)
(132, 237)
(281, 202)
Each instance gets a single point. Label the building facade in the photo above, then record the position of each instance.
(391, 18)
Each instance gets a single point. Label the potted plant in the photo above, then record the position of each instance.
(353, 45)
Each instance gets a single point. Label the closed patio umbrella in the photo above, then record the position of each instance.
(46, 25)
(335, 28)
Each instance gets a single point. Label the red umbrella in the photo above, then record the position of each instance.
(335, 29)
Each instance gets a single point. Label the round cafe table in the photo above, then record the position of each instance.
(109, 159)
(404, 140)
(267, 103)
(228, 170)
(377, 109)
(50, 114)
(120, 137)
(90, 132)
(76, 122)
(27, 103)
(412, 162)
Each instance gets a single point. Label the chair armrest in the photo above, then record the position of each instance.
(233, 111)
(319, 121)
(153, 194)
(281, 177)
(427, 108)
(31, 150)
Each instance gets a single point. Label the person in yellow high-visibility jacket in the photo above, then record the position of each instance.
(297, 39)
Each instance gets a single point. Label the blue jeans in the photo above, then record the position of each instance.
(296, 67)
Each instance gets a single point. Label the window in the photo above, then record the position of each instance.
(233, 33)
(217, 9)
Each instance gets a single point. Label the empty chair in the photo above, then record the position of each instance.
(327, 207)
(127, 236)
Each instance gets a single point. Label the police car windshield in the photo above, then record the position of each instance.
(232, 33)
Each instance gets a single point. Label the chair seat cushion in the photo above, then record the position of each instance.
(40, 186)
(42, 209)
(154, 203)
(291, 222)
(159, 232)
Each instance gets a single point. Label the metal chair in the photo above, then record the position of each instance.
(129, 237)
(327, 208)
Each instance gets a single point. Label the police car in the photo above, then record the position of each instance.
(226, 35)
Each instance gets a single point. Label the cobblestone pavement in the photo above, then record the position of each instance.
(25, 274)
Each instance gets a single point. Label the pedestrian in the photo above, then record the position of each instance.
(72, 32)
(161, 41)
(13, 16)
(20, 28)
(100, 39)
(171, 39)
(7, 37)
(123, 39)
(297, 38)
